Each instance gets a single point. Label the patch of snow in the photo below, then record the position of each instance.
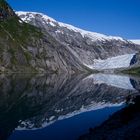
(136, 41)
(121, 61)
(20, 21)
(58, 31)
(118, 81)
(52, 24)
(51, 118)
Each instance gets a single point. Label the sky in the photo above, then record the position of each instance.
(110, 17)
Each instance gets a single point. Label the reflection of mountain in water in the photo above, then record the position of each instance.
(29, 102)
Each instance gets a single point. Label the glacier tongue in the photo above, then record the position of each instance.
(120, 61)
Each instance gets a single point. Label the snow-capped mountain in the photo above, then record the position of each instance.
(30, 16)
(94, 50)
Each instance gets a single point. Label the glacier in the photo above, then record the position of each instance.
(121, 61)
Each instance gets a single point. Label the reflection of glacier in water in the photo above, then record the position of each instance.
(38, 101)
(120, 81)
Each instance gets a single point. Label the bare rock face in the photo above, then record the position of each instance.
(135, 60)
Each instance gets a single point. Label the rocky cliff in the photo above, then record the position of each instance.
(135, 60)
(25, 48)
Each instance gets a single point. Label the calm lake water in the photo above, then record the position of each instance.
(60, 107)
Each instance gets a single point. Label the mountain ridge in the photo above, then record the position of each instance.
(69, 26)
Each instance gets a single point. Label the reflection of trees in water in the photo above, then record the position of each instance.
(37, 98)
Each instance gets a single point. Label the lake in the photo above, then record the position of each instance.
(61, 107)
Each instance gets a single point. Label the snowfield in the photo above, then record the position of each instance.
(28, 16)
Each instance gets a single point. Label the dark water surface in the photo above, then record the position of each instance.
(60, 107)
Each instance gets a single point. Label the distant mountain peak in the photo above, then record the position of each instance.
(32, 14)
(136, 41)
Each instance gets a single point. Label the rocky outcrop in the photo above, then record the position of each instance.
(136, 60)
(134, 67)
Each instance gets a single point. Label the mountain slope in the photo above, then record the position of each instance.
(25, 48)
(86, 46)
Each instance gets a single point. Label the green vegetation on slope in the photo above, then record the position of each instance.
(20, 32)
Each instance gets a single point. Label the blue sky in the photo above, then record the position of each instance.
(111, 17)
